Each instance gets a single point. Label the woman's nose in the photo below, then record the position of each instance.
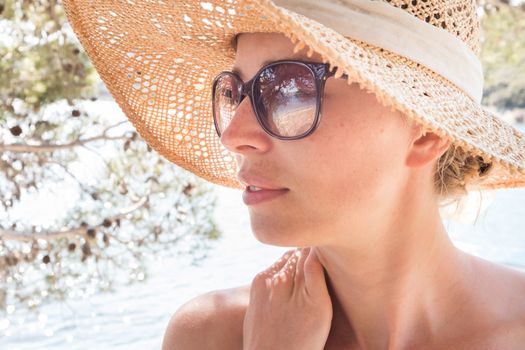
(244, 133)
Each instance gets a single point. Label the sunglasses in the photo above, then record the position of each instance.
(286, 97)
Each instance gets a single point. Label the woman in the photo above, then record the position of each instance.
(394, 280)
(360, 189)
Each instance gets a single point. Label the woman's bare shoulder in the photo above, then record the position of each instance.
(209, 321)
(504, 290)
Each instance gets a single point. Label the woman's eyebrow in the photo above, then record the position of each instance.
(239, 73)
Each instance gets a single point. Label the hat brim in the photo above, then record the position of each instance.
(158, 61)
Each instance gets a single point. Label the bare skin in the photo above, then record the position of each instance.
(293, 292)
(368, 210)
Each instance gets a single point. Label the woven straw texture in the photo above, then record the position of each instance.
(158, 59)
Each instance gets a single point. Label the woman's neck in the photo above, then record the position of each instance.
(397, 290)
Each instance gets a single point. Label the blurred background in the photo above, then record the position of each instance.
(101, 240)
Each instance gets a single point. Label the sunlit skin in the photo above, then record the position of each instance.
(361, 196)
(353, 163)
(361, 193)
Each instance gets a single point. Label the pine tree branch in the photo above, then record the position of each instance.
(47, 147)
(52, 235)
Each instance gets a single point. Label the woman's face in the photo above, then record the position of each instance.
(341, 178)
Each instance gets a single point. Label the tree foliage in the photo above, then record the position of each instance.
(124, 202)
(503, 54)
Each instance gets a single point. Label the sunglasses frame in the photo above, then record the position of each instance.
(321, 73)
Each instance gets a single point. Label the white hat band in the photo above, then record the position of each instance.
(383, 25)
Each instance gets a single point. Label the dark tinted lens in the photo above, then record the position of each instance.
(286, 98)
(226, 99)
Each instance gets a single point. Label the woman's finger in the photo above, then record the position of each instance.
(313, 274)
(279, 264)
(299, 274)
(284, 278)
(263, 280)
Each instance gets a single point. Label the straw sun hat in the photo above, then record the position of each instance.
(158, 59)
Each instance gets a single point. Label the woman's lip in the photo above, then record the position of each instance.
(265, 188)
(249, 179)
(254, 197)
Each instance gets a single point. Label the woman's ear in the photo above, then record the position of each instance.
(426, 148)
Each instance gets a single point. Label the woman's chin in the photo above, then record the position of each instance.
(278, 237)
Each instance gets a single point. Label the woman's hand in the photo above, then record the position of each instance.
(290, 307)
